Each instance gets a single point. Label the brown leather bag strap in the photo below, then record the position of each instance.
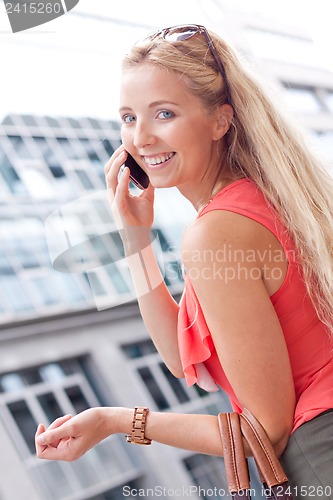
(262, 449)
(234, 457)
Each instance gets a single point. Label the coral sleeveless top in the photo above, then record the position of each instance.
(310, 349)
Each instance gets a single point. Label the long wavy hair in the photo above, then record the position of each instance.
(265, 146)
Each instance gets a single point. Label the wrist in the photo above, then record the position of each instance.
(138, 432)
(118, 420)
(135, 238)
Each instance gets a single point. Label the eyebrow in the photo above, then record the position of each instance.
(151, 105)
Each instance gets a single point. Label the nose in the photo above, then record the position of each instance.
(143, 134)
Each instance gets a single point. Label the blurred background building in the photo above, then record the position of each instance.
(71, 336)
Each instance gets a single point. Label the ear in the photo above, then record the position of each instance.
(224, 116)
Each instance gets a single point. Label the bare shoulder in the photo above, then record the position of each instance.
(232, 240)
(221, 227)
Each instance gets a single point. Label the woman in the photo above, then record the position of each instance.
(256, 317)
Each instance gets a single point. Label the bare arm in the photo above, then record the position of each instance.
(134, 216)
(158, 308)
(70, 437)
(240, 316)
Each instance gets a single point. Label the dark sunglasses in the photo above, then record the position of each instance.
(187, 31)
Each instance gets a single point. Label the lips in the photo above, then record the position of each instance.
(158, 159)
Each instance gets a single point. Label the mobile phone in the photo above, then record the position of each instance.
(137, 175)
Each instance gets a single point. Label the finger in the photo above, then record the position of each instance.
(40, 430)
(51, 437)
(117, 152)
(149, 193)
(112, 169)
(39, 447)
(59, 421)
(120, 198)
(63, 452)
(123, 185)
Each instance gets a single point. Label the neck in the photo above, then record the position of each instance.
(201, 194)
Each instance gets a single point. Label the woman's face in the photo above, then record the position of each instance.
(166, 129)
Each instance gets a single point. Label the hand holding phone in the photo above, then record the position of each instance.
(137, 175)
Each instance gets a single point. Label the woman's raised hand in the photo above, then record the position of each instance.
(127, 209)
(68, 437)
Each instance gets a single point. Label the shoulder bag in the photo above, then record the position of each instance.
(235, 428)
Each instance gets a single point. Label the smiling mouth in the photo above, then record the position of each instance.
(158, 159)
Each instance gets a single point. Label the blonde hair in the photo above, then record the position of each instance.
(264, 146)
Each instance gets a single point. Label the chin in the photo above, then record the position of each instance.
(161, 183)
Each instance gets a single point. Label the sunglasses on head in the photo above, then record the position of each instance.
(187, 31)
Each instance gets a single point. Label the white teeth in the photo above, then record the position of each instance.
(156, 160)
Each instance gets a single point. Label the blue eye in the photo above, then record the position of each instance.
(165, 115)
(128, 118)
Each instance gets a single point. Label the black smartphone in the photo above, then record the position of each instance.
(137, 175)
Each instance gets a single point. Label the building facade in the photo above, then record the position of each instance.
(70, 331)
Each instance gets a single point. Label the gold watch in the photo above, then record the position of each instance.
(137, 435)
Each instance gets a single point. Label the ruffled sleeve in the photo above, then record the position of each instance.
(195, 342)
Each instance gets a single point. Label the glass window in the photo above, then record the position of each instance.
(31, 376)
(8, 120)
(20, 146)
(73, 122)
(54, 481)
(115, 125)
(11, 382)
(302, 100)
(108, 147)
(139, 349)
(175, 384)
(207, 472)
(50, 120)
(95, 283)
(15, 293)
(51, 372)
(103, 210)
(24, 421)
(43, 147)
(94, 123)
(84, 178)
(26, 256)
(117, 241)
(5, 266)
(94, 151)
(102, 249)
(38, 245)
(29, 120)
(70, 287)
(57, 171)
(154, 389)
(63, 181)
(50, 406)
(68, 150)
(96, 159)
(117, 278)
(44, 287)
(77, 398)
(13, 181)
